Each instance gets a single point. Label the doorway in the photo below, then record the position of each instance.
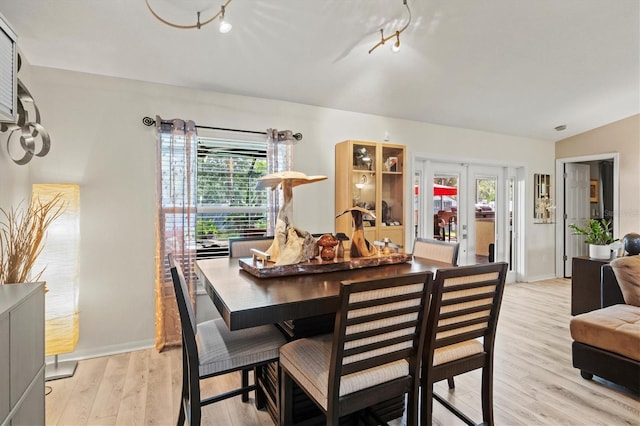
(475, 205)
(587, 188)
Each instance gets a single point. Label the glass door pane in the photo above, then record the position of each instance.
(485, 219)
(445, 206)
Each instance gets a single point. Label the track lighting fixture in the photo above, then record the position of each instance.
(395, 47)
(225, 26)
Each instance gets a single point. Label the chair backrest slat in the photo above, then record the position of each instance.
(379, 322)
(440, 251)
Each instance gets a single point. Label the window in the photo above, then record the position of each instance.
(228, 203)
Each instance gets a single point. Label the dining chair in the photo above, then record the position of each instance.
(210, 349)
(372, 356)
(241, 246)
(461, 329)
(440, 251)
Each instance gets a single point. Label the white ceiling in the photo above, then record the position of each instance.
(518, 67)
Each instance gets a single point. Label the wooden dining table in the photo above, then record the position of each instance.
(300, 305)
(244, 300)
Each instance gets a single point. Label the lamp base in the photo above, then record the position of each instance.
(59, 370)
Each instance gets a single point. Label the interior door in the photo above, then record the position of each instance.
(576, 193)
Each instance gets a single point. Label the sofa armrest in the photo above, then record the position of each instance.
(610, 293)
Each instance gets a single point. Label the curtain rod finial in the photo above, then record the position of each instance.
(148, 121)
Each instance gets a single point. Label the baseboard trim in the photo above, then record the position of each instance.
(79, 355)
(541, 278)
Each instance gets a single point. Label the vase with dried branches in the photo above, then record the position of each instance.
(22, 237)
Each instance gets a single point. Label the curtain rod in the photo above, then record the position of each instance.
(148, 121)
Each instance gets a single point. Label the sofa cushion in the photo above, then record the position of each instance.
(614, 328)
(627, 271)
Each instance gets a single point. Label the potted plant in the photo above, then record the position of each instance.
(599, 237)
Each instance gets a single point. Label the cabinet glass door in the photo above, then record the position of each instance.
(364, 188)
(392, 194)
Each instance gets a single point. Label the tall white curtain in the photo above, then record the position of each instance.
(279, 159)
(175, 220)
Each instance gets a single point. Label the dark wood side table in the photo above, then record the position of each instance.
(585, 284)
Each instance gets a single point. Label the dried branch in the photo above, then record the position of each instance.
(22, 237)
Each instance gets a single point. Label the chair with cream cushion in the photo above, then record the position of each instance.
(440, 251)
(372, 356)
(210, 349)
(241, 246)
(464, 309)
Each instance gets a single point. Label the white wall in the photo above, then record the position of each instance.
(98, 141)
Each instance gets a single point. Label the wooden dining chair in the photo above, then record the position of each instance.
(241, 246)
(440, 251)
(372, 356)
(464, 308)
(210, 349)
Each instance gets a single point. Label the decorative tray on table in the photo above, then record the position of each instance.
(265, 269)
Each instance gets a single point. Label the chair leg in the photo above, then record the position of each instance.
(487, 394)
(413, 402)
(451, 383)
(286, 399)
(184, 393)
(245, 383)
(426, 403)
(260, 399)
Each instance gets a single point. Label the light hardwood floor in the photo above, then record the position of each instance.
(534, 381)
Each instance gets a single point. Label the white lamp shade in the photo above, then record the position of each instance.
(59, 258)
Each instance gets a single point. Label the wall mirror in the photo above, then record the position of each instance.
(542, 205)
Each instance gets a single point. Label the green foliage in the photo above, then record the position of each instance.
(205, 228)
(485, 190)
(598, 232)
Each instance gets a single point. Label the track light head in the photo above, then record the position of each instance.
(395, 47)
(225, 26)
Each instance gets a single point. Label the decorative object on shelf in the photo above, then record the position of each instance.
(543, 208)
(391, 164)
(395, 47)
(362, 159)
(631, 243)
(224, 26)
(27, 133)
(327, 242)
(290, 245)
(22, 237)
(599, 237)
(360, 247)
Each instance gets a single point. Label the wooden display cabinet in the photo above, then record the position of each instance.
(371, 175)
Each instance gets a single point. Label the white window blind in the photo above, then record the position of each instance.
(8, 69)
(228, 203)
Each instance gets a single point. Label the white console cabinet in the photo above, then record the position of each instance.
(22, 354)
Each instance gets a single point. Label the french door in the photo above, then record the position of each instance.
(472, 204)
